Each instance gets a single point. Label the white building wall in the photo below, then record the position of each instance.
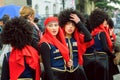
(42, 4)
(70, 4)
(16, 2)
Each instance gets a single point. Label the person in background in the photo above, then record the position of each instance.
(117, 49)
(36, 20)
(101, 64)
(28, 13)
(22, 62)
(54, 51)
(113, 68)
(5, 18)
(76, 34)
(1, 28)
(111, 30)
(1, 25)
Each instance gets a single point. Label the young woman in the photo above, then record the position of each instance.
(100, 65)
(22, 62)
(110, 30)
(29, 14)
(54, 51)
(76, 34)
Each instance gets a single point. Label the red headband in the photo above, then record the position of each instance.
(49, 19)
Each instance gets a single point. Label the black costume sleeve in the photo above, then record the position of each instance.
(45, 55)
(105, 45)
(85, 31)
(5, 69)
(36, 38)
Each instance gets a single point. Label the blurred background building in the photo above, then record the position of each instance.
(16, 2)
(52, 7)
(43, 8)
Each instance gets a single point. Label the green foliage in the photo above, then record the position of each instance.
(103, 4)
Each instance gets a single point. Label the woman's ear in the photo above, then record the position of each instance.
(31, 17)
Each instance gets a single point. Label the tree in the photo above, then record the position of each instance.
(86, 6)
(103, 4)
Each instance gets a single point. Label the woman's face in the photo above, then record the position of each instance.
(69, 28)
(31, 17)
(53, 28)
(105, 23)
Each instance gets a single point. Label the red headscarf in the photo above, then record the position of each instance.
(58, 41)
(17, 63)
(101, 28)
(50, 19)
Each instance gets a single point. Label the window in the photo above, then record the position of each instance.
(36, 8)
(29, 2)
(54, 8)
(47, 11)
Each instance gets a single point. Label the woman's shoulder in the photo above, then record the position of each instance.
(7, 55)
(102, 34)
(45, 45)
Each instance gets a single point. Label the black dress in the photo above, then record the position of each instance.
(5, 75)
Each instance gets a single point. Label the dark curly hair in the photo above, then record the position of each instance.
(97, 17)
(17, 32)
(110, 23)
(64, 16)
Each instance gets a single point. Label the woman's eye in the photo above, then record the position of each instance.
(50, 25)
(56, 24)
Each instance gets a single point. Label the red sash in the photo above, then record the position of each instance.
(16, 62)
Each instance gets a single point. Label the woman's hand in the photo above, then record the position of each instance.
(74, 18)
(70, 63)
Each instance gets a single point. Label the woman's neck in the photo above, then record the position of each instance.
(68, 35)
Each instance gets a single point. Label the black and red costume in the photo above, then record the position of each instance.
(23, 60)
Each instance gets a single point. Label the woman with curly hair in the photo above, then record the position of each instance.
(100, 65)
(23, 60)
(76, 35)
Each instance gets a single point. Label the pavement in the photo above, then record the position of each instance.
(117, 76)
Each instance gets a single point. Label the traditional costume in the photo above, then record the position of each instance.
(54, 53)
(98, 60)
(22, 62)
(76, 43)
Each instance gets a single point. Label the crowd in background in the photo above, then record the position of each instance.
(70, 47)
